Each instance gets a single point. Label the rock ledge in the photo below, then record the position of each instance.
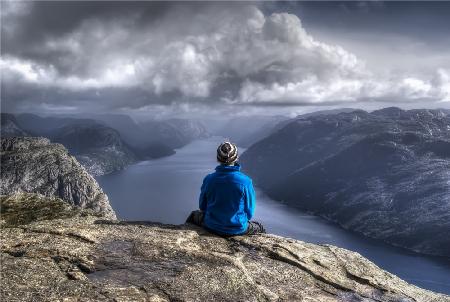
(80, 257)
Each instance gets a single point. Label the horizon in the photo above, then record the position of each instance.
(205, 117)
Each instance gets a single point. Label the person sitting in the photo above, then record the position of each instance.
(227, 198)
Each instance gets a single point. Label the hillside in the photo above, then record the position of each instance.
(175, 133)
(146, 140)
(98, 148)
(10, 127)
(384, 174)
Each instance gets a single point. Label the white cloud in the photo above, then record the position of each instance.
(117, 75)
(441, 83)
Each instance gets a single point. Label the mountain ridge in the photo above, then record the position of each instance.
(132, 141)
(382, 174)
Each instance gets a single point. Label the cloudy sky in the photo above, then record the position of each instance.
(144, 57)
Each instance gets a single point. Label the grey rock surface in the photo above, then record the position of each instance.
(35, 165)
(78, 257)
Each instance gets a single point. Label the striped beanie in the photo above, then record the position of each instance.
(227, 153)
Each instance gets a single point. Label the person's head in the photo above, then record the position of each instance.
(227, 153)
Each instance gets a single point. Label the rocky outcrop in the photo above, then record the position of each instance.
(78, 257)
(35, 165)
(384, 174)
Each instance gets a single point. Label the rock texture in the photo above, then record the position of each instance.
(37, 166)
(384, 174)
(79, 257)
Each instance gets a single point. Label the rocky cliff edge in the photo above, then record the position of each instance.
(57, 252)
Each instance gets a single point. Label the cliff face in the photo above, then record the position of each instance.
(37, 166)
(71, 256)
(384, 174)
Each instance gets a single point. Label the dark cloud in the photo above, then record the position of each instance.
(111, 55)
(52, 19)
(46, 21)
(422, 20)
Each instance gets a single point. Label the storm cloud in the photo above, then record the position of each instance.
(106, 55)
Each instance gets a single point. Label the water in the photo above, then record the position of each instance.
(166, 190)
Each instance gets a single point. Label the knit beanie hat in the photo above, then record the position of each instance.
(227, 153)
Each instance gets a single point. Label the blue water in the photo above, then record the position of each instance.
(166, 190)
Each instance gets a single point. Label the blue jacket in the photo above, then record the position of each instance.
(228, 200)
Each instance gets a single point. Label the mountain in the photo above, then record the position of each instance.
(181, 132)
(153, 138)
(175, 133)
(10, 126)
(384, 174)
(246, 130)
(150, 139)
(45, 126)
(35, 165)
(129, 130)
(64, 255)
(328, 112)
(147, 140)
(103, 143)
(99, 148)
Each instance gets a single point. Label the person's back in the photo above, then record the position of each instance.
(227, 198)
